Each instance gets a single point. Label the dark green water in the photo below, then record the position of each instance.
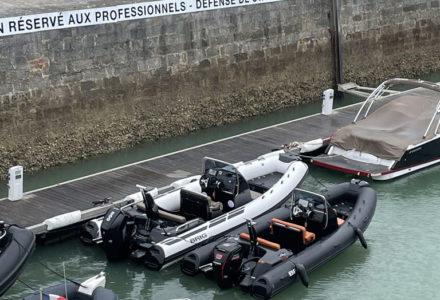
(401, 262)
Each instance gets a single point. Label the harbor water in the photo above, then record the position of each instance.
(402, 260)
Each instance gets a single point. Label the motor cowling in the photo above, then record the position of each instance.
(116, 231)
(228, 257)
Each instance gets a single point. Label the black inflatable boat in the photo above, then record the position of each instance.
(16, 246)
(277, 249)
(91, 289)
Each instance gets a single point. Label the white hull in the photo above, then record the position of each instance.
(293, 174)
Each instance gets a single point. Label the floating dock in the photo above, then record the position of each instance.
(39, 205)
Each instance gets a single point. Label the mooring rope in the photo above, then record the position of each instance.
(58, 274)
(27, 285)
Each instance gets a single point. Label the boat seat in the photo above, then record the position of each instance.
(151, 208)
(290, 235)
(261, 241)
(196, 205)
(164, 214)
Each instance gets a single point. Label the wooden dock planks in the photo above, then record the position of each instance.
(36, 206)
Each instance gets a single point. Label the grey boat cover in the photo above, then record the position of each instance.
(387, 132)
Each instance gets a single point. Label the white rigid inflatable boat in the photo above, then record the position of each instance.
(173, 248)
(197, 210)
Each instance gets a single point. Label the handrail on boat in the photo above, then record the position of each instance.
(378, 92)
(436, 112)
(384, 86)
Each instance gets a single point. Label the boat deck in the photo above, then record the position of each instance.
(39, 205)
(348, 165)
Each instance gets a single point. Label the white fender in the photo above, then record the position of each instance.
(63, 220)
(311, 145)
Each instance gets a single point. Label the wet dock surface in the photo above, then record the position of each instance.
(39, 205)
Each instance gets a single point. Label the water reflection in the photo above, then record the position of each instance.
(402, 260)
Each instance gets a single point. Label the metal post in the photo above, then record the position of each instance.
(336, 40)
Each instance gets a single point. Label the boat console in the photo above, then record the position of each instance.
(225, 185)
(315, 213)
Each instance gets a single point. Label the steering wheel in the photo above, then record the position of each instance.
(203, 181)
(297, 211)
(210, 182)
(302, 208)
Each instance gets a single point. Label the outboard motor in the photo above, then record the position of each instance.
(116, 231)
(228, 257)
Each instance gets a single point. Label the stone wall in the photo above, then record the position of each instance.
(384, 39)
(70, 93)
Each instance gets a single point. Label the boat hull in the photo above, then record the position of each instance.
(172, 249)
(285, 271)
(15, 255)
(278, 278)
(414, 159)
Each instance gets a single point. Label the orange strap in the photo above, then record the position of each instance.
(340, 221)
(261, 241)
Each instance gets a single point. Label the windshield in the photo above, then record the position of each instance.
(304, 195)
(233, 181)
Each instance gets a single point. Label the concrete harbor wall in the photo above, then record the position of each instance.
(384, 39)
(71, 93)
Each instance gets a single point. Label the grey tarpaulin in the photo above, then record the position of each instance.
(387, 132)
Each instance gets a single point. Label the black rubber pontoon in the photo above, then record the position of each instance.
(286, 245)
(16, 246)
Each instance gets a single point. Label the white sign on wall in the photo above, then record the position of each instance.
(112, 14)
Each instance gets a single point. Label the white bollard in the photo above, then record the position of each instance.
(327, 102)
(15, 183)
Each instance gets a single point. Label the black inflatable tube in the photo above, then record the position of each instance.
(15, 256)
(193, 260)
(328, 247)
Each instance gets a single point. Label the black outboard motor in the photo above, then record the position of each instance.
(116, 232)
(227, 261)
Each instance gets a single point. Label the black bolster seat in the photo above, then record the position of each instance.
(151, 208)
(196, 205)
(291, 236)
